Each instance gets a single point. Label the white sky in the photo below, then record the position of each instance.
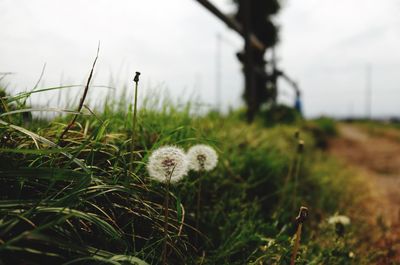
(325, 46)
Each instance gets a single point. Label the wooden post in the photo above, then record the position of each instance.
(274, 75)
(231, 23)
(248, 61)
(252, 45)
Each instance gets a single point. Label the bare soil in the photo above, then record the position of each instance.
(377, 158)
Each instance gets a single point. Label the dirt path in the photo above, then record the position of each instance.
(377, 157)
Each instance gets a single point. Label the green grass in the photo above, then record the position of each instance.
(78, 202)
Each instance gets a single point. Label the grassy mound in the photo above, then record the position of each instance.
(80, 201)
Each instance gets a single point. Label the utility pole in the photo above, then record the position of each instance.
(274, 74)
(232, 23)
(248, 62)
(368, 91)
(254, 70)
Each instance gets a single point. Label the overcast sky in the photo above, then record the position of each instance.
(325, 46)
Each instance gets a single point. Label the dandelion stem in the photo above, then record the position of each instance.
(296, 176)
(294, 158)
(293, 161)
(287, 179)
(166, 215)
(198, 209)
(300, 149)
(303, 214)
(136, 80)
(296, 244)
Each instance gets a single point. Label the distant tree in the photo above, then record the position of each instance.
(260, 23)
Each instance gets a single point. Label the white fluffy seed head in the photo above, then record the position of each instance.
(339, 219)
(168, 162)
(202, 157)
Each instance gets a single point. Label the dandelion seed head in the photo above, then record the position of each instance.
(168, 162)
(339, 219)
(202, 157)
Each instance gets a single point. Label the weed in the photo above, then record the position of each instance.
(87, 201)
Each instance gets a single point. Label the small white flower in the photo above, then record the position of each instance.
(339, 219)
(202, 157)
(168, 162)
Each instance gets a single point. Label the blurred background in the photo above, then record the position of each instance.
(339, 52)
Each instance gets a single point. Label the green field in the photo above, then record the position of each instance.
(88, 198)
